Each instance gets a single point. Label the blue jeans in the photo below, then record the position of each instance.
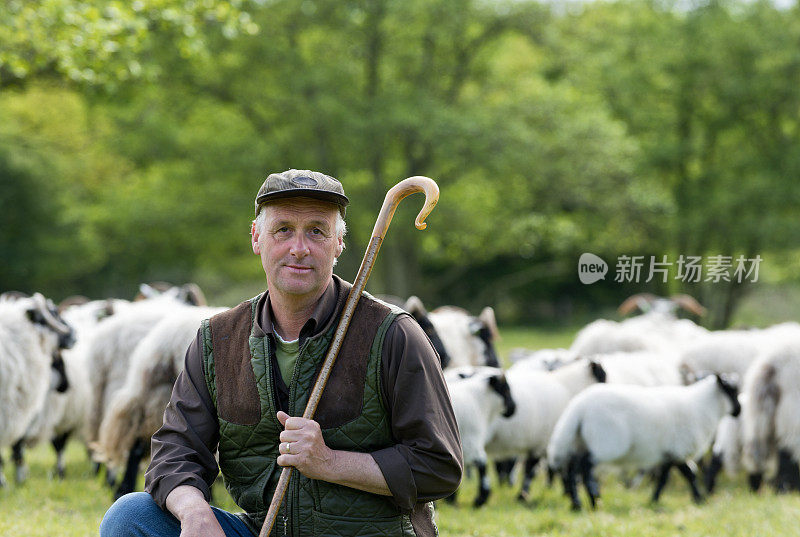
(137, 515)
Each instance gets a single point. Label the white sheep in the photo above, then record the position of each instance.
(65, 413)
(726, 453)
(771, 425)
(657, 328)
(136, 410)
(638, 427)
(541, 397)
(31, 334)
(467, 340)
(731, 351)
(111, 346)
(478, 402)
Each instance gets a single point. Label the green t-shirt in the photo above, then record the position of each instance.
(286, 353)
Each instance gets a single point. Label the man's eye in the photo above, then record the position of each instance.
(316, 231)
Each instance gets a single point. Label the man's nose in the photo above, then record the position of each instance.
(299, 247)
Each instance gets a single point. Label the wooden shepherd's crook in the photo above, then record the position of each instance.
(399, 191)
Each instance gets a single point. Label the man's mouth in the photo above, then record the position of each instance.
(298, 268)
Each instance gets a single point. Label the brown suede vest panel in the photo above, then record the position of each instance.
(344, 393)
(237, 395)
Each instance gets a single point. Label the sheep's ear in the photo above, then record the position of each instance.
(598, 372)
(488, 319)
(415, 307)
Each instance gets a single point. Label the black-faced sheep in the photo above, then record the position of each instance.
(31, 338)
(479, 400)
(638, 427)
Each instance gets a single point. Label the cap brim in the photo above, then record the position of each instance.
(324, 195)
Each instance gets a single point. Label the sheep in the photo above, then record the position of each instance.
(542, 359)
(137, 408)
(541, 397)
(414, 306)
(657, 329)
(731, 351)
(467, 340)
(726, 453)
(110, 348)
(771, 426)
(65, 412)
(31, 336)
(478, 401)
(640, 427)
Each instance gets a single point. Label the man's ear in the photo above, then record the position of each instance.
(339, 246)
(254, 234)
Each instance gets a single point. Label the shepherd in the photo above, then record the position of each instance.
(383, 443)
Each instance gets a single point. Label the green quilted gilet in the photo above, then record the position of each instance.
(247, 453)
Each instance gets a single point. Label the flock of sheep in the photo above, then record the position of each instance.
(642, 395)
(645, 394)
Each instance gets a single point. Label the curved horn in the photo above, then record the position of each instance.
(635, 301)
(689, 304)
(55, 324)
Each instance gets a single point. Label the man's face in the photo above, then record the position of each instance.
(298, 246)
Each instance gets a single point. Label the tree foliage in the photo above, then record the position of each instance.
(614, 127)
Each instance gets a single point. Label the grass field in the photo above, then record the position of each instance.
(74, 507)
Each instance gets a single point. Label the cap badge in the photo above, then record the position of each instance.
(304, 180)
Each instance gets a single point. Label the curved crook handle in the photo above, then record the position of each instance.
(397, 193)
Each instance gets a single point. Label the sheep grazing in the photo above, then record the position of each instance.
(31, 336)
(478, 402)
(657, 328)
(467, 340)
(771, 425)
(137, 408)
(638, 427)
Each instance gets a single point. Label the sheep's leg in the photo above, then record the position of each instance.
(3, 482)
(530, 471)
(663, 476)
(711, 473)
(18, 455)
(135, 456)
(755, 481)
(483, 485)
(589, 480)
(504, 470)
(691, 477)
(787, 478)
(570, 478)
(59, 442)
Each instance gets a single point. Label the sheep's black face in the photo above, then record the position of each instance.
(436, 341)
(480, 330)
(597, 371)
(729, 389)
(61, 374)
(500, 385)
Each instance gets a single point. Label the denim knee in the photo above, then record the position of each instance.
(137, 515)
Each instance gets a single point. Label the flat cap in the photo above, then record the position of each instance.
(302, 183)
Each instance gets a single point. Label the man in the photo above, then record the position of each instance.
(384, 441)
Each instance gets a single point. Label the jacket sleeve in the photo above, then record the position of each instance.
(426, 462)
(183, 448)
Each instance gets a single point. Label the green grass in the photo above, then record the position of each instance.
(74, 507)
